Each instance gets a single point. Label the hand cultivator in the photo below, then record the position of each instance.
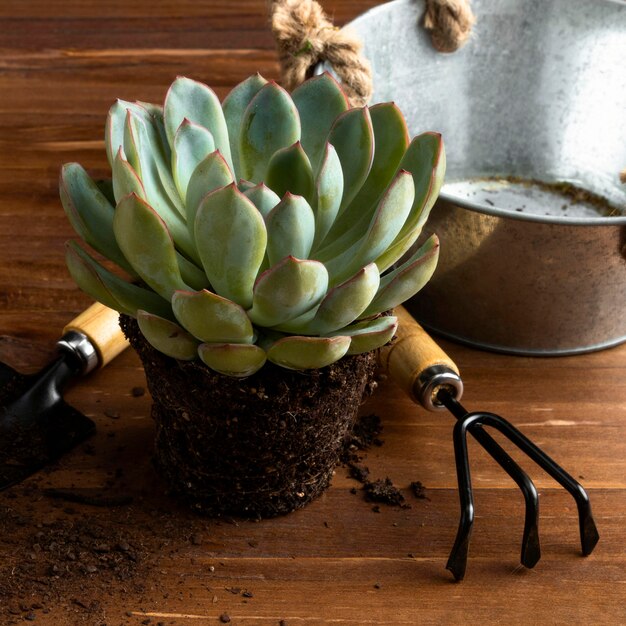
(431, 378)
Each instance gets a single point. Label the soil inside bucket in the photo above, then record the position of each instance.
(256, 447)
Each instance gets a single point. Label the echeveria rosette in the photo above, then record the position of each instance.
(268, 227)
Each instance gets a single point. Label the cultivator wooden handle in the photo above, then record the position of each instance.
(419, 365)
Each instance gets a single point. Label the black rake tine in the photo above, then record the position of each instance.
(589, 535)
(457, 561)
(531, 547)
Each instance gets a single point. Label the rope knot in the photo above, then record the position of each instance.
(450, 23)
(305, 37)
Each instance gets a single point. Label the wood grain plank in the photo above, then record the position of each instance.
(35, 25)
(218, 11)
(405, 595)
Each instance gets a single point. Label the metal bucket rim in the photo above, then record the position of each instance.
(479, 207)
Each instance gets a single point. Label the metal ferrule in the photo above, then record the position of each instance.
(81, 347)
(431, 380)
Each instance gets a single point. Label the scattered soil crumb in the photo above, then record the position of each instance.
(137, 392)
(63, 563)
(419, 491)
(386, 492)
(358, 472)
(365, 434)
(59, 562)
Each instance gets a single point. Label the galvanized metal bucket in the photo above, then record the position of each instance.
(539, 93)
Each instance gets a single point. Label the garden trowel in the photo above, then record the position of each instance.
(36, 425)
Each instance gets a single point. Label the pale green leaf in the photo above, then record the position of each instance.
(144, 150)
(231, 238)
(270, 122)
(390, 215)
(125, 178)
(116, 126)
(167, 337)
(211, 174)
(328, 193)
(131, 150)
(146, 242)
(287, 290)
(111, 290)
(233, 359)
(426, 160)
(90, 213)
(156, 113)
(211, 318)
(405, 281)
(198, 103)
(353, 138)
(263, 197)
(192, 144)
(290, 229)
(391, 138)
(302, 353)
(319, 100)
(156, 178)
(289, 170)
(86, 277)
(344, 303)
(234, 106)
(371, 334)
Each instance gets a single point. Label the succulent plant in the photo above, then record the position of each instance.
(267, 227)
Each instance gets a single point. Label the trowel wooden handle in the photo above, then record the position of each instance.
(100, 325)
(418, 364)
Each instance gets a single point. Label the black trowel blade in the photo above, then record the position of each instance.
(36, 425)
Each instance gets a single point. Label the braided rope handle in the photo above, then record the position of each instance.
(305, 37)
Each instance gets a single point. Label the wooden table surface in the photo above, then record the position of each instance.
(337, 561)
